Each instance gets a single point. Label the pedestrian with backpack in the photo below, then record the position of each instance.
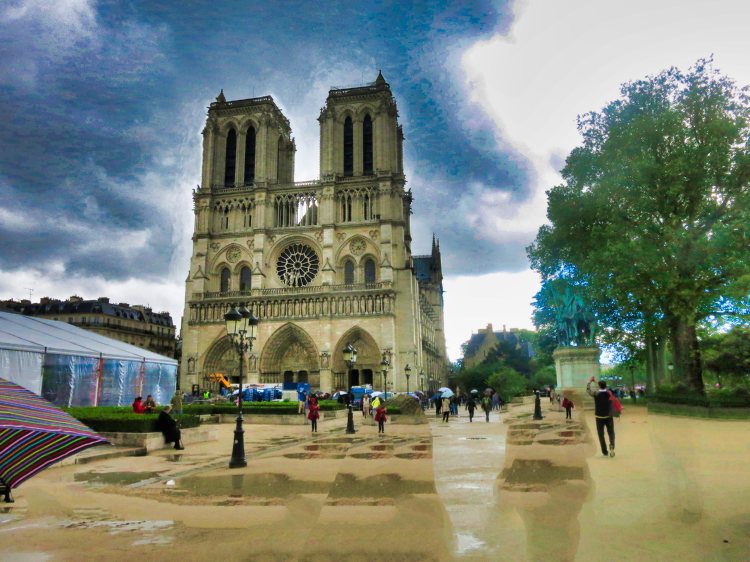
(603, 412)
(487, 406)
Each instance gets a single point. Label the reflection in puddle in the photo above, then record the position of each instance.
(267, 485)
(548, 494)
(114, 478)
(378, 486)
(306, 456)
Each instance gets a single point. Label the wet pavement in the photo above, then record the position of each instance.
(512, 489)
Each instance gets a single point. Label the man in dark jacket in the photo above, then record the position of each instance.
(168, 426)
(603, 415)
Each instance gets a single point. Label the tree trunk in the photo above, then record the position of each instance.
(651, 363)
(686, 353)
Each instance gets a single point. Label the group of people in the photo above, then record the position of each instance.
(169, 426)
(312, 405)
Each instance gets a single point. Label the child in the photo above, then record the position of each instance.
(313, 413)
(568, 405)
(380, 416)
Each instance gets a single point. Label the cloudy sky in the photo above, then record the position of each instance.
(102, 104)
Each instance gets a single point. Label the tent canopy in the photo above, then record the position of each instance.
(27, 333)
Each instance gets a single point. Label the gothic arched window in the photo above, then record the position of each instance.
(349, 272)
(224, 287)
(367, 145)
(370, 271)
(250, 156)
(348, 147)
(245, 279)
(231, 158)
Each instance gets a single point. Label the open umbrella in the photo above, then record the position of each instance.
(35, 434)
(474, 391)
(447, 393)
(443, 389)
(376, 394)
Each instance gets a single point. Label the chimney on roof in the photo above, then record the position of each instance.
(43, 300)
(103, 300)
(124, 305)
(504, 330)
(75, 298)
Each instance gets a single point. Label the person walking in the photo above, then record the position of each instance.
(445, 407)
(487, 407)
(301, 400)
(313, 413)
(495, 401)
(471, 406)
(568, 405)
(381, 416)
(603, 415)
(365, 405)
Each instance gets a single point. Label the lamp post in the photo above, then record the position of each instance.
(421, 381)
(241, 326)
(407, 372)
(350, 358)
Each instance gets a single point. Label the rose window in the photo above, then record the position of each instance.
(297, 265)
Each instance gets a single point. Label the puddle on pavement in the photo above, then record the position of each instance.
(421, 447)
(266, 485)
(378, 486)
(466, 542)
(413, 455)
(114, 478)
(530, 472)
(473, 438)
(371, 455)
(314, 456)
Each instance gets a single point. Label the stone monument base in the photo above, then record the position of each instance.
(574, 367)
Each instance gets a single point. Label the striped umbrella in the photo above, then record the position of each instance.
(35, 434)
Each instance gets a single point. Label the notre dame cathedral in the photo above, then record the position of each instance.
(321, 263)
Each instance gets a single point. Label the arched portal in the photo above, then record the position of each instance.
(222, 358)
(367, 368)
(290, 356)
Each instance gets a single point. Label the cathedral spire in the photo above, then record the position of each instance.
(380, 81)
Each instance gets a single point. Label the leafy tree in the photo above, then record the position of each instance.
(652, 215)
(508, 383)
(728, 354)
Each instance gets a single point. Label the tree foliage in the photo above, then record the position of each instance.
(652, 216)
(728, 354)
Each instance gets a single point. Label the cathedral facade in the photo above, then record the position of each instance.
(322, 263)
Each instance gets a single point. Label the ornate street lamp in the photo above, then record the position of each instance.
(407, 372)
(384, 371)
(350, 358)
(241, 326)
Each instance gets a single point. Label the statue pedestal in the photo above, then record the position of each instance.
(574, 367)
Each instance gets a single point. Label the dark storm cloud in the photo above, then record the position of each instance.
(91, 100)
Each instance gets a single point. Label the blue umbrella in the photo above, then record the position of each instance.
(447, 393)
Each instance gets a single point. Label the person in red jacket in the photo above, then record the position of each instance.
(568, 405)
(381, 417)
(314, 412)
(138, 405)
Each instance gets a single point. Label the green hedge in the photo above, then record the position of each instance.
(122, 420)
(260, 408)
(714, 399)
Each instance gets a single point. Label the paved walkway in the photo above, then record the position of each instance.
(512, 489)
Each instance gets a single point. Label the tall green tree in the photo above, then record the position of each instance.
(653, 212)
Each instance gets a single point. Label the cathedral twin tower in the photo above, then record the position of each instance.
(322, 263)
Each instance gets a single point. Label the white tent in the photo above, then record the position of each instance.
(45, 355)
